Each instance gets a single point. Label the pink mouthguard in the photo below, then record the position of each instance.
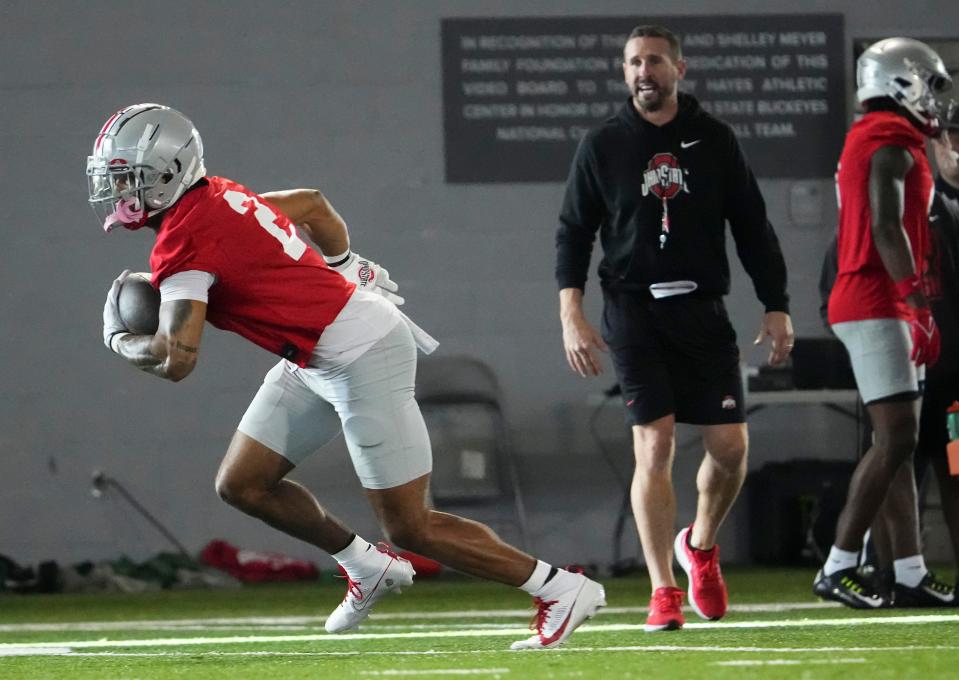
(127, 213)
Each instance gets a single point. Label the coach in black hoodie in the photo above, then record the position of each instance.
(659, 181)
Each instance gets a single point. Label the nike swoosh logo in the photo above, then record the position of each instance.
(686, 145)
(870, 601)
(943, 597)
(546, 641)
(366, 600)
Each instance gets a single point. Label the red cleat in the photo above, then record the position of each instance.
(707, 590)
(665, 610)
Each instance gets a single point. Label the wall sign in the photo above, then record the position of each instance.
(519, 93)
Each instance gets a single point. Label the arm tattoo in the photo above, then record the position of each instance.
(186, 348)
(181, 314)
(162, 359)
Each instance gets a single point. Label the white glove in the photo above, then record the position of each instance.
(112, 325)
(369, 276)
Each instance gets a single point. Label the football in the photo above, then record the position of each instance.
(139, 305)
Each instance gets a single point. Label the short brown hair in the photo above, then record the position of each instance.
(655, 31)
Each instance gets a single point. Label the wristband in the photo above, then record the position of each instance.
(907, 286)
(334, 261)
(116, 337)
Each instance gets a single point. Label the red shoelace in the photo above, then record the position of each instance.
(542, 611)
(353, 587)
(387, 550)
(667, 599)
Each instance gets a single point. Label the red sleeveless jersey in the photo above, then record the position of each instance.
(863, 288)
(271, 287)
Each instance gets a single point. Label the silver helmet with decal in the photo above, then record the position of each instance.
(912, 74)
(143, 160)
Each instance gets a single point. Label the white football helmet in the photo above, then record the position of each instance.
(911, 73)
(143, 160)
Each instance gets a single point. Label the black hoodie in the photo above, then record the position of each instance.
(624, 174)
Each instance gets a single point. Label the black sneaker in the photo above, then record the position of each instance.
(878, 580)
(929, 593)
(847, 587)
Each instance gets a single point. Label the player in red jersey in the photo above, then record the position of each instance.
(877, 307)
(227, 255)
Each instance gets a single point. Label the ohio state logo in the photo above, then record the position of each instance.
(365, 273)
(663, 177)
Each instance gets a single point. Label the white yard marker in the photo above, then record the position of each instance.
(299, 622)
(786, 662)
(508, 630)
(441, 671)
(34, 651)
(708, 649)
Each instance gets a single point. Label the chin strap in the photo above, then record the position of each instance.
(929, 123)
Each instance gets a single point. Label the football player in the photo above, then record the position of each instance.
(238, 259)
(878, 307)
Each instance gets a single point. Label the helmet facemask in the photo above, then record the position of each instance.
(922, 96)
(117, 193)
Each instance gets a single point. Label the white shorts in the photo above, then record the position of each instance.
(298, 410)
(879, 350)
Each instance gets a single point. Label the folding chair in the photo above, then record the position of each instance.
(472, 459)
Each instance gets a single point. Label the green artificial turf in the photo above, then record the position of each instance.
(205, 634)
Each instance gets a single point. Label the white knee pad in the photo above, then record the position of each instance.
(363, 431)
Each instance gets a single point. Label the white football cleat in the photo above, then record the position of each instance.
(362, 594)
(558, 616)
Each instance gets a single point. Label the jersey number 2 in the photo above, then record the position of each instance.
(266, 218)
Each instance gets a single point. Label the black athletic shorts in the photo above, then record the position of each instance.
(674, 355)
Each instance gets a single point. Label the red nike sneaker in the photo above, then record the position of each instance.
(665, 610)
(707, 590)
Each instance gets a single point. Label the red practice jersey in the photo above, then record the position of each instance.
(864, 289)
(271, 287)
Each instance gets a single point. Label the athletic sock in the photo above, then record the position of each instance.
(542, 573)
(561, 582)
(689, 543)
(839, 560)
(358, 558)
(910, 570)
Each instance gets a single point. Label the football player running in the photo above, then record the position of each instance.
(235, 258)
(877, 307)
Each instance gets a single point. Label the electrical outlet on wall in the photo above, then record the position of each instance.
(806, 203)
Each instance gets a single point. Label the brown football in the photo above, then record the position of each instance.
(139, 305)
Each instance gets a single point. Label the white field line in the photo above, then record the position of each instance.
(786, 662)
(306, 621)
(505, 631)
(34, 651)
(442, 671)
(709, 649)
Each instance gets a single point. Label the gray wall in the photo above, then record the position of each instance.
(346, 97)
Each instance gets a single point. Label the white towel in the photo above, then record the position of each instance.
(671, 288)
(425, 342)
